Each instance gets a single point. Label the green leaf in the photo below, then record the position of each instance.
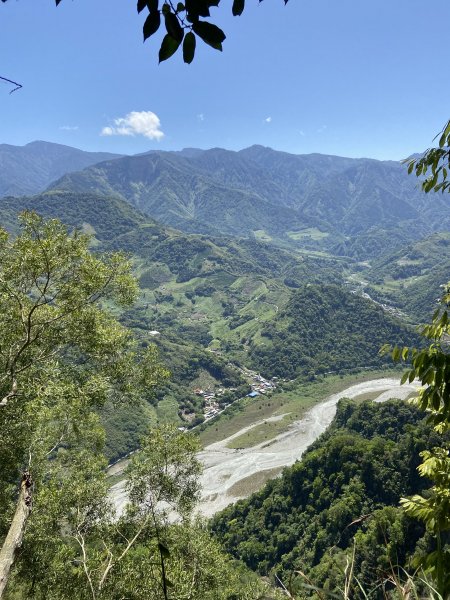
(189, 47)
(444, 136)
(238, 7)
(396, 354)
(404, 377)
(151, 25)
(141, 5)
(180, 7)
(173, 27)
(209, 33)
(168, 47)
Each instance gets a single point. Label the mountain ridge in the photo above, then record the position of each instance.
(263, 193)
(29, 169)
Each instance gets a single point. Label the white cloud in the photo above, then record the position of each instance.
(321, 129)
(144, 123)
(69, 128)
(201, 117)
(268, 120)
(301, 132)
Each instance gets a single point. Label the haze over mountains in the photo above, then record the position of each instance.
(30, 169)
(330, 209)
(349, 207)
(271, 195)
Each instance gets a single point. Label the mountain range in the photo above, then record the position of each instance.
(326, 202)
(31, 168)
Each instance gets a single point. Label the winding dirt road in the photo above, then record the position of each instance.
(233, 474)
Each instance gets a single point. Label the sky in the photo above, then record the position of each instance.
(347, 77)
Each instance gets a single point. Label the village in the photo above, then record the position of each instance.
(258, 384)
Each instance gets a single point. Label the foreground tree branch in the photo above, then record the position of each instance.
(16, 85)
(16, 531)
(61, 357)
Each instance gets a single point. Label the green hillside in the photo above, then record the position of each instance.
(171, 189)
(198, 294)
(210, 303)
(410, 278)
(274, 196)
(31, 168)
(344, 491)
(325, 328)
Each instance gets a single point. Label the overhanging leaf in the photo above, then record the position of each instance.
(168, 47)
(209, 33)
(189, 47)
(238, 7)
(152, 23)
(173, 27)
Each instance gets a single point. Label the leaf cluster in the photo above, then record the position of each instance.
(183, 23)
(436, 161)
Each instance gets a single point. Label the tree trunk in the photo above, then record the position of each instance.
(15, 534)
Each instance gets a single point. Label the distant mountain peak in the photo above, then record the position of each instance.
(29, 169)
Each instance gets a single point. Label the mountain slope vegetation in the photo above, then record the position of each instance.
(411, 277)
(31, 168)
(325, 328)
(344, 492)
(314, 201)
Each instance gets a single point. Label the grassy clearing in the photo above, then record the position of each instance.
(167, 411)
(368, 396)
(247, 411)
(262, 236)
(259, 434)
(311, 232)
(254, 482)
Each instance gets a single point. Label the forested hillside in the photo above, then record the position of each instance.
(211, 303)
(343, 494)
(297, 200)
(198, 294)
(412, 276)
(325, 328)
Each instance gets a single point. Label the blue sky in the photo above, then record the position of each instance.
(347, 77)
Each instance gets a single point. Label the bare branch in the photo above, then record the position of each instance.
(17, 85)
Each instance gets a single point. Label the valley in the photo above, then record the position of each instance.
(224, 300)
(279, 297)
(238, 465)
(267, 285)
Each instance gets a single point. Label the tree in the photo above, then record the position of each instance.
(143, 553)
(183, 24)
(432, 366)
(62, 355)
(436, 160)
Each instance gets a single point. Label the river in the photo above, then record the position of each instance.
(232, 474)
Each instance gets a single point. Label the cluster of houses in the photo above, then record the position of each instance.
(211, 406)
(259, 385)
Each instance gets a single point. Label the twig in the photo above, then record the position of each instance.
(18, 85)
